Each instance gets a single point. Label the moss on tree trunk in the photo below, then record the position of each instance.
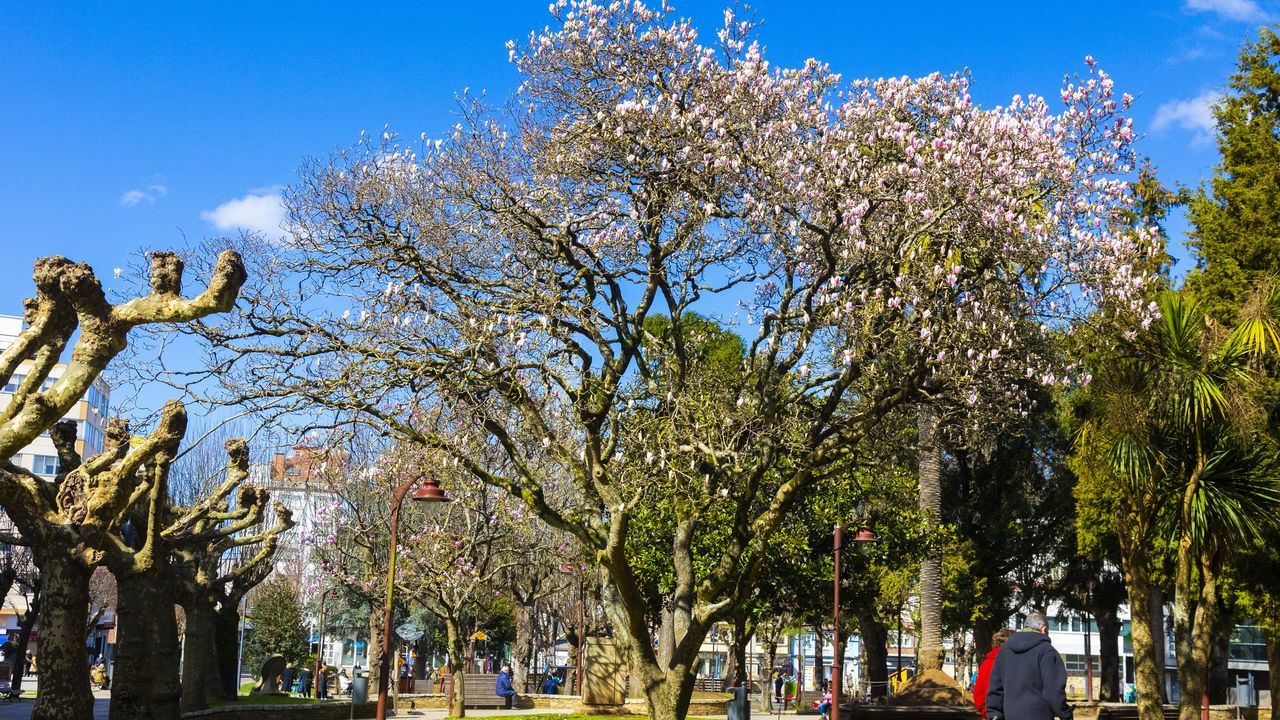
(64, 612)
(131, 684)
(166, 654)
(1146, 670)
(200, 663)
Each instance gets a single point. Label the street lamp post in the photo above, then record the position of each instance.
(837, 669)
(1088, 643)
(428, 491)
(320, 644)
(582, 630)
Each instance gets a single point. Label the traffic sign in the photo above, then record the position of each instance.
(409, 632)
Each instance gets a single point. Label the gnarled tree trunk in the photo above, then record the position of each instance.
(1219, 672)
(225, 683)
(875, 653)
(982, 638)
(201, 684)
(1193, 617)
(1155, 621)
(522, 654)
(819, 667)
(1147, 675)
(132, 683)
(457, 665)
(743, 630)
(64, 611)
(1109, 626)
(166, 655)
(25, 626)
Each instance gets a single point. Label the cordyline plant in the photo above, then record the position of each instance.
(873, 238)
(69, 522)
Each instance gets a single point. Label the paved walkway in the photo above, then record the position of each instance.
(21, 709)
(440, 713)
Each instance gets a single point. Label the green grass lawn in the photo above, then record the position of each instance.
(263, 699)
(266, 700)
(564, 716)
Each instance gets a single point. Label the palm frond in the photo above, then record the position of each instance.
(1238, 495)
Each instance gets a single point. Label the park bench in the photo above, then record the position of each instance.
(477, 690)
(1130, 712)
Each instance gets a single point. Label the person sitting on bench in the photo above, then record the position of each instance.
(503, 687)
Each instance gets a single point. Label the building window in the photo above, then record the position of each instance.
(1075, 664)
(45, 465)
(14, 382)
(92, 437)
(1059, 624)
(97, 400)
(1247, 643)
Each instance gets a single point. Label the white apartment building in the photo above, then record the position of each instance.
(40, 457)
(296, 480)
(89, 414)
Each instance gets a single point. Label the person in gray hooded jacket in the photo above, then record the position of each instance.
(1029, 680)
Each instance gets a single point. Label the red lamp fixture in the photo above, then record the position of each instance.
(430, 491)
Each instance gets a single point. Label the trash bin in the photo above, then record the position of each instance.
(1244, 693)
(740, 704)
(360, 688)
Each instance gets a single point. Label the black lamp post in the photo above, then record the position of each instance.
(863, 538)
(428, 491)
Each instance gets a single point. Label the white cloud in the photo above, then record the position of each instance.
(260, 212)
(1193, 114)
(1242, 10)
(149, 195)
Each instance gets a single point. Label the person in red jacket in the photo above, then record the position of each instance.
(984, 671)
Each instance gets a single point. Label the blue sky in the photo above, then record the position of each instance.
(149, 124)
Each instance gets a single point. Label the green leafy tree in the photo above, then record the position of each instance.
(1008, 504)
(1236, 233)
(276, 621)
(1175, 423)
(1236, 220)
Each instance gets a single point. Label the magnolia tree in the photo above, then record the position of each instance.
(455, 558)
(452, 558)
(867, 240)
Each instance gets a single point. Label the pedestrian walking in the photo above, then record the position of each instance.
(287, 677)
(1028, 678)
(983, 679)
(322, 682)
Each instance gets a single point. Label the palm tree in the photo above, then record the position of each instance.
(932, 653)
(1175, 420)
